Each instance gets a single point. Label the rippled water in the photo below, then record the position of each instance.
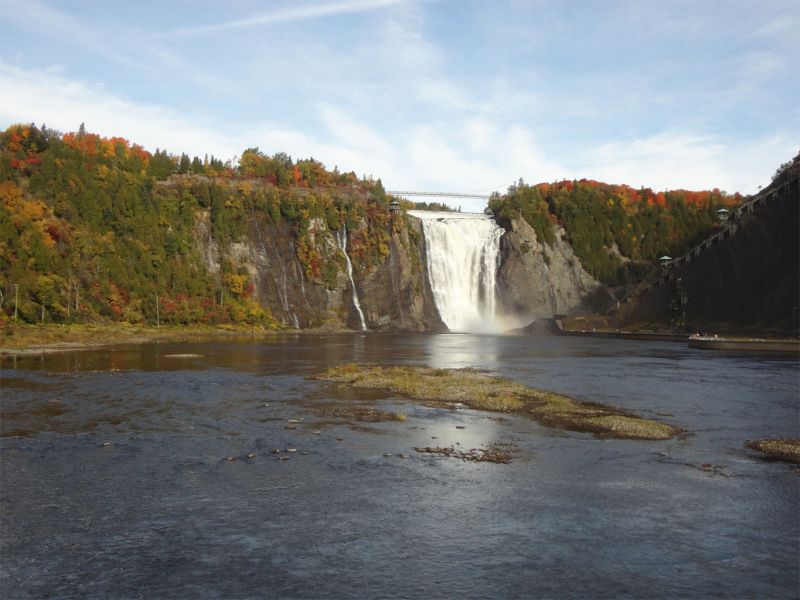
(116, 483)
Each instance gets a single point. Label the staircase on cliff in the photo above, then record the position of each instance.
(745, 274)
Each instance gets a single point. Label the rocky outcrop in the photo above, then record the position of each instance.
(535, 280)
(397, 295)
(394, 295)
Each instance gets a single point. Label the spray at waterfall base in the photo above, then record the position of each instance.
(463, 255)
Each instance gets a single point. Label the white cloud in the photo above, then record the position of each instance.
(63, 104)
(476, 153)
(352, 133)
(688, 161)
(294, 13)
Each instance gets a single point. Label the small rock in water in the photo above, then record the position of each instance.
(291, 426)
(291, 449)
(339, 439)
(433, 437)
(106, 444)
(460, 427)
(387, 454)
(230, 458)
(251, 455)
(275, 451)
(285, 457)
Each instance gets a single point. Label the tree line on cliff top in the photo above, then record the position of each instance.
(617, 231)
(95, 228)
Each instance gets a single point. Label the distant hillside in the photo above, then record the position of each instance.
(746, 278)
(95, 228)
(616, 231)
(98, 228)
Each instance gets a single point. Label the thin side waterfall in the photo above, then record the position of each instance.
(342, 239)
(463, 250)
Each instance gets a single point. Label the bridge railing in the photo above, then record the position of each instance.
(439, 194)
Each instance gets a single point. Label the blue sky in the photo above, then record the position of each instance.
(462, 96)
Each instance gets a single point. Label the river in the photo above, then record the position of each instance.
(117, 483)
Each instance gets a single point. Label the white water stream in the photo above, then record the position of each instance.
(463, 250)
(342, 239)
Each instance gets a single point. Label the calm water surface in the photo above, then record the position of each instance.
(115, 482)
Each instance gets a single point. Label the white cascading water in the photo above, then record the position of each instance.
(342, 239)
(463, 250)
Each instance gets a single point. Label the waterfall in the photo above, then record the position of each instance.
(342, 239)
(463, 250)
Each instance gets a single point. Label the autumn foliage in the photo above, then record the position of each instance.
(617, 231)
(95, 228)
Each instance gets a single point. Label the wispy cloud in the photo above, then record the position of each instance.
(41, 18)
(397, 90)
(676, 159)
(295, 13)
(28, 97)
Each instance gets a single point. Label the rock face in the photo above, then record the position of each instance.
(747, 279)
(535, 280)
(397, 295)
(394, 295)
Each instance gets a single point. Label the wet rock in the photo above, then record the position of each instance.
(251, 455)
(710, 468)
(496, 453)
(786, 449)
(460, 427)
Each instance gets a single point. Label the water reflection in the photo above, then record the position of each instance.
(462, 350)
(116, 483)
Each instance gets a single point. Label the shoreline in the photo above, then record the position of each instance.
(32, 340)
(732, 342)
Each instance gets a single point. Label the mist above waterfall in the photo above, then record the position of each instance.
(462, 257)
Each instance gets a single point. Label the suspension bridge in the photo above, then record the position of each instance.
(406, 193)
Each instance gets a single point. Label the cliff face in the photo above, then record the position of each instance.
(397, 295)
(394, 295)
(748, 279)
(535, 280)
